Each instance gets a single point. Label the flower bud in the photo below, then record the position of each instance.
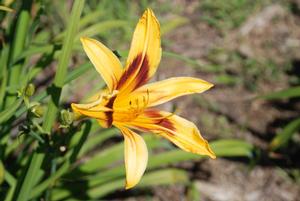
(37, 110)
(66, 117)
(29, 90)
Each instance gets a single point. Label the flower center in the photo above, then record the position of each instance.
(132, 109)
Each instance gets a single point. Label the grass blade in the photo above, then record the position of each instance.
(95, 29)
(292, 92)
(32, 50)
(20, 34)
(4, 74)
(12, 183)
(189, 61)
(10, 111)
(282, 138)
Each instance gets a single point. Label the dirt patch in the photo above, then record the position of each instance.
(237, 182)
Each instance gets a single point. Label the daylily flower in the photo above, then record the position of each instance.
(127, 102)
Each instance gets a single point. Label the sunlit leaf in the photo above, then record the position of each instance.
(282, 138)
(291, 92)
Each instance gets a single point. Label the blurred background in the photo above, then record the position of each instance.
(250, 51)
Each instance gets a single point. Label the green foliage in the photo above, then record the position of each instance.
(282, 138)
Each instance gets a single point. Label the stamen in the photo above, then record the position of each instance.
(137, 103)
(144, 100)
(136, 107)
(148, 96)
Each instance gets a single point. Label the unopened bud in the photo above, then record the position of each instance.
(37, 110)
(67, 117)
(29, 90)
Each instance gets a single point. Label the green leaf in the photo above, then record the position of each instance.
(192, 192)
(20, 33)
(113, 154)
(222, 148)
(227, 79)
(107, 157)
(192, 62)
(101, 27)
(10, 111)
(155, 178)
(97, 139)
(90, 18)
(32, 50)
(12, 183)
(292, 92)
(170, 25)
(110, 176)
(282, 138)
(232, 148)
(4, 74)
(160, 177)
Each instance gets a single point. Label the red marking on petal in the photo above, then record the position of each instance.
(152, 114)
(160, 119)
(133, 67)
(109, 114)
(140, 64)
(167, 124)
(142, 76)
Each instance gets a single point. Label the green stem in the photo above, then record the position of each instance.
(55, 91)
(18, 44)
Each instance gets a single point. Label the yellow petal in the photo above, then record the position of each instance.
(160, 92)
(104, 60)
(95, 109)
(144, 55)
(178, 130)
(136, 156)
